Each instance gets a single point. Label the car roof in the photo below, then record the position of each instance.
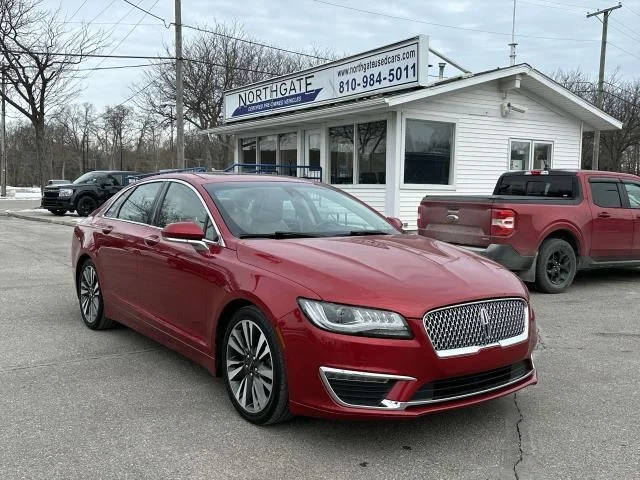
(560, 172)
(221, 177)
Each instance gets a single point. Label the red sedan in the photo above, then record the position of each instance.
(303, 298)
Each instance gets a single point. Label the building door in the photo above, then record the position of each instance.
(312, 153)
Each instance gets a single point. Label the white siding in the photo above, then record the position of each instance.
(374, 196)
(482, 139)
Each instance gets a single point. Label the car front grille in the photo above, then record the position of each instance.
(466, 328)
(51, 193)
(477, 383)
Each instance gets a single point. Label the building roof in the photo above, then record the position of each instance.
(529, 78)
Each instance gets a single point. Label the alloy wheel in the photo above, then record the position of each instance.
(558, 267)
(90, 293)
(249, 366)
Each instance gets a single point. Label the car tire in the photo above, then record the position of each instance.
(58, 212)
(86, 205)
(90, 298)
(245, 368)
(556, 266)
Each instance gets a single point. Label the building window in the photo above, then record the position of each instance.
(372, 152)
(358, 153)
(271, 150)
(530, 155)
(248, 150)
(314, 149)
(341, 154)
(428, 152)
(288, 148)
(268, 151)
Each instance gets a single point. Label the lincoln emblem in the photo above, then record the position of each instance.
(485, 323)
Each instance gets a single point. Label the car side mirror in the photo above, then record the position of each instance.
(183, 232)
(396, 222)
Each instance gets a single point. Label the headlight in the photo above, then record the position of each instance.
(368, 322)
(65, 192)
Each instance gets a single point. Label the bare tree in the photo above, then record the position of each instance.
(215, 62)
(40, 61)
(118, 120)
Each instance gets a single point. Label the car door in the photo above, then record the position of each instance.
(612, 223)
(119, 238)
(632, 190)
(187, 282)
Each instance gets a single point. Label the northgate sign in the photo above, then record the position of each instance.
(401, 65)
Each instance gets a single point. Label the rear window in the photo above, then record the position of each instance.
(553, 186)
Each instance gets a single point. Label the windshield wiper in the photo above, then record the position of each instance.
(359, 233)
(278, 235)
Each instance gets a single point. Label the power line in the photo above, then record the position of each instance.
(631, 10)
(138, 57)
(622, 49)
(101, 12)
(149, 13)
(567, 8)
(78, 9)
(251, 42)
(396, 17)
(637, 39)
(116, 67)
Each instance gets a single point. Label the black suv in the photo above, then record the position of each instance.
(86, 193)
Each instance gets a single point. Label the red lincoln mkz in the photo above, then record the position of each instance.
(303, 298)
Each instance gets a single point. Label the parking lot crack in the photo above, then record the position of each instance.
(540, 345)
(77, 360)
(520, 452)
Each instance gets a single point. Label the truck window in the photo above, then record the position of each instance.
(560, 186)
(633, 192)
(606, 194)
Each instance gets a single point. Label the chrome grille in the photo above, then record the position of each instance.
(471, 326)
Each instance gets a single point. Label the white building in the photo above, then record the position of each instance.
(390, 146)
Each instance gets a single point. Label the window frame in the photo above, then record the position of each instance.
(451, 186)
(356, 164)
(256, 137)
(158, 201)
(624, 201)
(626, 193)
(532, 144)
(130, 192)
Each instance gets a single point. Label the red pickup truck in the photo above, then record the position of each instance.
(544, 224)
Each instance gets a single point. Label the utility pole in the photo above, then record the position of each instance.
(600, 95)
(3, 142)
(512, 45)
(179, 87)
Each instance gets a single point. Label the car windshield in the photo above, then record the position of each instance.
(90, 177)
(288, 209)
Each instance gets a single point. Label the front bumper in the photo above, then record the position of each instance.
(505, 255)
(412, 364)
(56, 203)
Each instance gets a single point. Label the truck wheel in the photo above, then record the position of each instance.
(86, 205)
(58, 212)
(556, 267)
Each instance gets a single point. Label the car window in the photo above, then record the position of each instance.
(181, 204)
(138, 206)
(633, 192)
(556, 186)
(115, 206)
(270, 208)
(606, 194)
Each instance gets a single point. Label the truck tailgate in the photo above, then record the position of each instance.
(456, 219)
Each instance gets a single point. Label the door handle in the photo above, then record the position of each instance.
(604, 215)
(152, 240)
(107, 229)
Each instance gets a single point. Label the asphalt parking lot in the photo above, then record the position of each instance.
(81, 404)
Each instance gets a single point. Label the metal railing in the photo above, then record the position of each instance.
(300, 171)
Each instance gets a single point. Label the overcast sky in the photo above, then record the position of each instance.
(299, 24)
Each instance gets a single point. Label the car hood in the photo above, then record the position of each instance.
(408, 274)
(58, 186)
